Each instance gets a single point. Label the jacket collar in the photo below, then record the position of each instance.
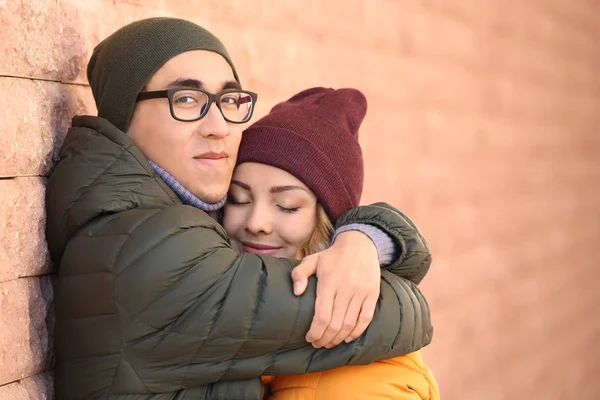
(185, 195)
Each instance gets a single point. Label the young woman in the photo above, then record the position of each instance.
(300, 168)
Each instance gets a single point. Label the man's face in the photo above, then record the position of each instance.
(201, 155)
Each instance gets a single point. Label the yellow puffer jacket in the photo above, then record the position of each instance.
(400, 378)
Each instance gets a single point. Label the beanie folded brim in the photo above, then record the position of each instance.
(286, 150)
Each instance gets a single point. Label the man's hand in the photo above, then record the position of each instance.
(348, 286)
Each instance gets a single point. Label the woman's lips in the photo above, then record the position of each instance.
(259, 249)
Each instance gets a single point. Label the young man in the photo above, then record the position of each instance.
(151, 300)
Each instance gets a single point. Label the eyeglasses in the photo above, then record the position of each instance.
(188, 105)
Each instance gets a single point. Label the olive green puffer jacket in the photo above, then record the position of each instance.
(153, 303)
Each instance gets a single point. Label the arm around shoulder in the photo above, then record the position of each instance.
(414, 259)
(194, 312)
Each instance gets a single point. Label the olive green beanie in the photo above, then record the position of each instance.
(122, 64)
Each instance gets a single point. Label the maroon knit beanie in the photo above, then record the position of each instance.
(314, 136)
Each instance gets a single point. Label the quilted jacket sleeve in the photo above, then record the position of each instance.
(194, 312)
(415, 257)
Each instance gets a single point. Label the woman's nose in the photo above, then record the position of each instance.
(259, 221)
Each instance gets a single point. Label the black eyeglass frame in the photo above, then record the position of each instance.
(212, 98)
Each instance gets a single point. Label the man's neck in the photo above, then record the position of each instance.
(185, 195)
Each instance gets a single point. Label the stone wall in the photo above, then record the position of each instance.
(482, 126)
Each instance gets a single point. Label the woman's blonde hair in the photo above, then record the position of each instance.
(321, 236)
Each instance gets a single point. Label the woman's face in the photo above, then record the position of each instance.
(269, 211)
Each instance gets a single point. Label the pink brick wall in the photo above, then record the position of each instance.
(482, 126)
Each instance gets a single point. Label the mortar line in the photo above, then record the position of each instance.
(43, 80)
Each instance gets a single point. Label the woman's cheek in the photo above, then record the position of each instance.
(297, 228)
(231, 220)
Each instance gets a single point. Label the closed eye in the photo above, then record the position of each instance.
(236, 203)
(288, 210)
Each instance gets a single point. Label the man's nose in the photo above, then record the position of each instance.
(213, 123)
(259, 220)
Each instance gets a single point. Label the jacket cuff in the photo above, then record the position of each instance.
(387, 250)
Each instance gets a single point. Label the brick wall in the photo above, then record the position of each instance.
(482, 126)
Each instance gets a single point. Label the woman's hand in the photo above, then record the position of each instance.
(348, 287)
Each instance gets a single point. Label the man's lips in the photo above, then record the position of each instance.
(257, 248)
(212, 155)
(212, 158)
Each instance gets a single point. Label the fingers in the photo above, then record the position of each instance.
(364, 319)
(346, 298)
(340, 307)
(302, 272)
(349, 323)
(323, 311)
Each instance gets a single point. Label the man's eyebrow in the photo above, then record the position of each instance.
(197, 84)
(186, 83)
(232, 85)
(279, 189)
(241, 184)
